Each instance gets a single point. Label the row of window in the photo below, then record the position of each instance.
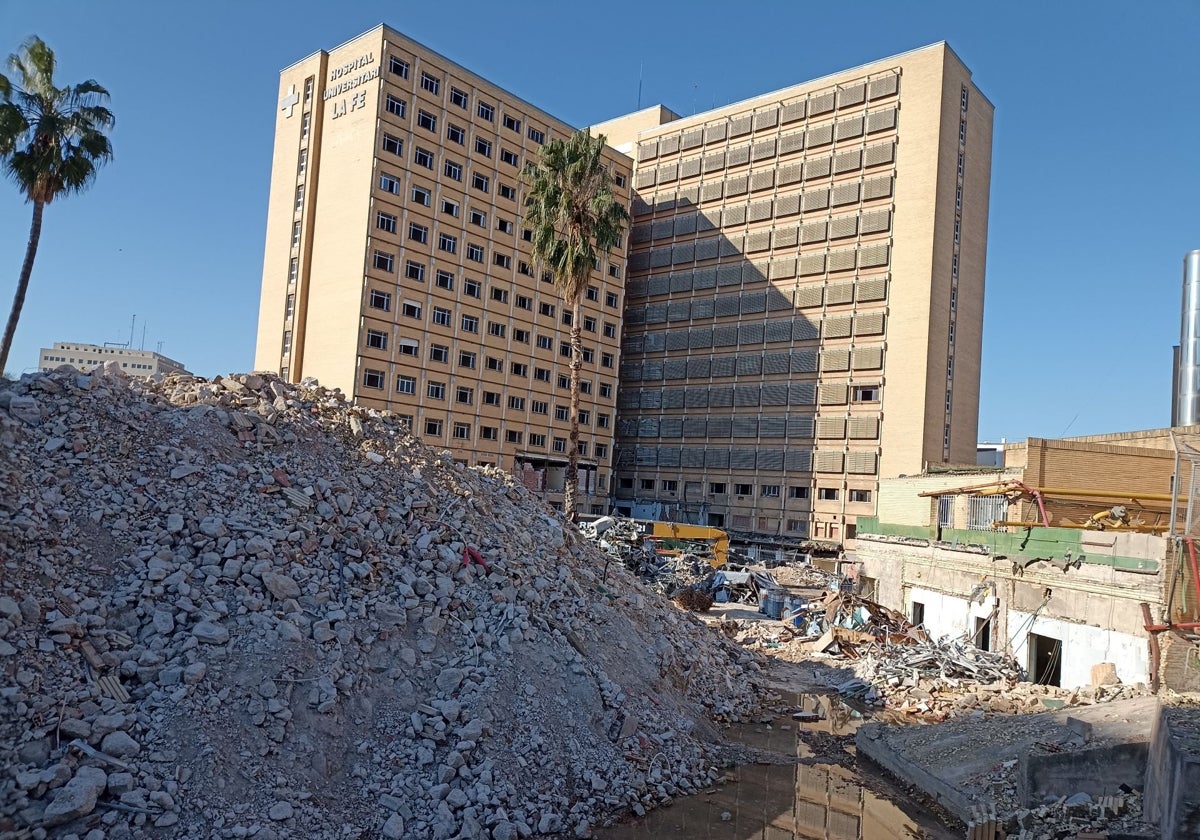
(474, 288)
(767, 491)
(435, 427)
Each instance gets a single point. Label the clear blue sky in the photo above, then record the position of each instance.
(1095, 185)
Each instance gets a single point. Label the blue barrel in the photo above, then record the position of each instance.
(773, 604)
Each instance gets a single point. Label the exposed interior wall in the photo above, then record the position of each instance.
(949, 616)
(900, 501)
(1083, 646)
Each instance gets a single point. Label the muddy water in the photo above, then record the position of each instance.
(810, 792)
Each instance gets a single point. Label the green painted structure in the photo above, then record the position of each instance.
(1031, 544)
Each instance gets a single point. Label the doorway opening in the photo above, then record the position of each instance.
(918, 613)
(1045, 660)
(983, 633)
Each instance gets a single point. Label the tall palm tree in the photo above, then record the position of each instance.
(52, 141)
(570, 207)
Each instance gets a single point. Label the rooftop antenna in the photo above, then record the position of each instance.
(695, 91)
(143, 347)
(131, 325)
(641, 67)
(159, 350)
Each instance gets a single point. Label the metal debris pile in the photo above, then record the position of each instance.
(245, 608)
(666, 574)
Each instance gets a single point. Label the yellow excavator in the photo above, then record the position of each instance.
(667, 533)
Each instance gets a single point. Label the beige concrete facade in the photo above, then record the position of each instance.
(396, 267)
(806, 284)
(87, 356)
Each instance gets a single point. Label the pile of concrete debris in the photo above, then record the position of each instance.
(242, 608)
(1076, 816)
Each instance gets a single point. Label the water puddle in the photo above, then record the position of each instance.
(807, 795)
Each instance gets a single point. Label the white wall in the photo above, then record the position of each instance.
(1083, 647)
(946, 615)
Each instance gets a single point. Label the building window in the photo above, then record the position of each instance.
(287, 345)
(295, 234)
(472, 288)
(289, 308)
(560, 444)
(418, 233)
(299, 196)
(520, 336)
(414, 271)
(426, 121)
(610, 299)
(605, 390)
(860, 495)
(541, 374)
(547, 309)
(513, 436)
(479, 182)
(422, 196)
(483, 147)
(524, 302)
(589, 323)
(455, 134)
(373, 379)
(397, 106)
(436, 390)
(411, 309)
(478, 218)
(409, 347)
(445, 280)
(486, 112)
(447, 243)
(512, 124)
(795, 492)
(474, 252)
(610, 330)
(381, 300)
(537, 441)
(441, 316)
(458, 97)
(564, 349)
(601, 452)
(619, 179)
(564, 382)
(519, 369)
(589, 355)
(433, 428)
(466, 359)
(505, 226)
(491, 398)
(470, 324)
(507, 192)
(545, 342)
(798, 526)
(828, 494)
(536, 136)
(511, 158)
(614, 271)
(769, 491)
(462, 431)
(449, 208)
(669, 486)
(583, 447)
(305, 122)
(393, 145)
(585, 387)
(585, 418)
(430, 83)
(562, 413)
(493, 363)
(385, 222)
(865, 393)
(496, 329)
(453, 170)
(489, 433)
(502, 260)
(303, 163)
(398, 67)
(422, 157)
(377, 339)
(465, 395)
(539, 407)
(516, 403)
(406, 384)
(646, 484)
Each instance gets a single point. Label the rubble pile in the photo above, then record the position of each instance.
(1081, 816)
(244, 608)
(622, 540)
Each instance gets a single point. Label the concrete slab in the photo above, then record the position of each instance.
(1173, 777)
(975, 760)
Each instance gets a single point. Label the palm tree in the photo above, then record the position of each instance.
(569, 206)
(52, 141)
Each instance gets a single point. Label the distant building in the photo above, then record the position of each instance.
(990, 454)
(86, 356)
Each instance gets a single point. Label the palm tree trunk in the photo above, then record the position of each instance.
(10, 331)
(572, 478)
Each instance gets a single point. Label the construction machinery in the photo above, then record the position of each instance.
(666, 539)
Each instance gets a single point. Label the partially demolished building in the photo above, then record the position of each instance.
(1075, 558)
